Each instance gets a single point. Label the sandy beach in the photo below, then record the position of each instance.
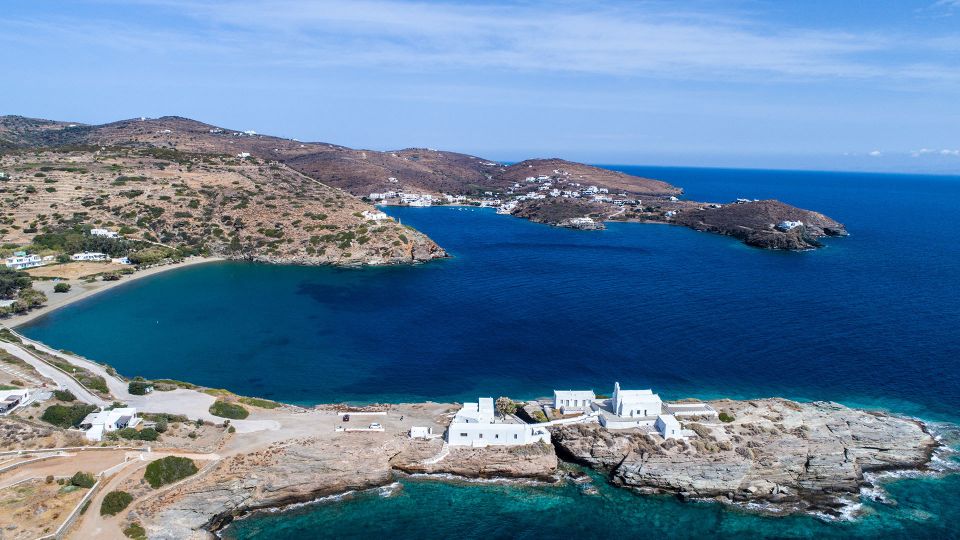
(80, 290)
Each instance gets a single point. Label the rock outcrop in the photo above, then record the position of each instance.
(787, 456)
(536, 461)
(307, 469)
(756, 223)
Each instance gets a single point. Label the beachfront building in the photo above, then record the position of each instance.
(97, 424)
(476, 425)
(90, 256)
(21, 261)
(11, 399)
(106, 233)
(573, 400)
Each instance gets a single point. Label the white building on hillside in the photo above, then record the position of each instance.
(475, 424)
(98, 423)
(106, 233)
(573, 400)
(90, 256)
(21, 261)
(634, 403)
(11, 399)
(375, 215)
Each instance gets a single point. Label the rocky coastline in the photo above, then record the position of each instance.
(776, 456)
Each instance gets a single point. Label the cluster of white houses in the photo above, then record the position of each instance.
(21, 260)
(477, 424)
(94, 426)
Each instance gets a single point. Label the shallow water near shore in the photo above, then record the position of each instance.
(422, 508)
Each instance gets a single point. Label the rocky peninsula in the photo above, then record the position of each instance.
(768, 455)
(777, 457)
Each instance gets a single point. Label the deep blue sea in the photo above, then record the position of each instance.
(521, 309)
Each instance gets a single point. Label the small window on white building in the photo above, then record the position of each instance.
(463, 434)
(514, 435)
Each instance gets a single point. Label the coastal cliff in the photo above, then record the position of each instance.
(307, 469)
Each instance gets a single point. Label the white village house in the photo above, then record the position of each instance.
(573, 400)
(375, 215)
(90, 256)
(420, 432)
(476, 425)
(21, 261)
(668, 426)
(98, 423)
(11, 399)
(106, 233)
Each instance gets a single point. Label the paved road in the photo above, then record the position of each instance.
(190, 403)
(62, 380)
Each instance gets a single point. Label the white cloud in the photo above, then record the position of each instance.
(875, 153)
(631, 40)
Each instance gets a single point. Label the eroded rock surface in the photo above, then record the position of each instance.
(794, 457)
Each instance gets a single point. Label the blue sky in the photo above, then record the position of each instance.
(815, 84)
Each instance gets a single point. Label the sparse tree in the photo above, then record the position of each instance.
(506, 406)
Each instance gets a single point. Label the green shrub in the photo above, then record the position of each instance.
(138, 388)
(64, 395)
(168, 470)
(131, 434)
(114, 503)
(225, 409)
(61, 287)
(135, 531)
(66, 416)
(726, 417)
(258, 402)
(83, 479)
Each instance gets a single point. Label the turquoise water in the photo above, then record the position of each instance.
(924, 508)
(870, 320)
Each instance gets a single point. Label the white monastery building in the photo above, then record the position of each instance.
(635, 403)
(475, 424)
